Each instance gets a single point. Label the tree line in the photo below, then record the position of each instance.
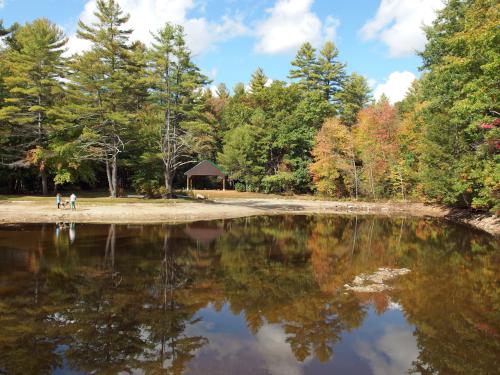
(123, 115)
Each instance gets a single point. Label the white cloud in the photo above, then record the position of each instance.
(212, 73)
(151, 15)
(331, 25)
(213, 90)
(290, 24)
(392, 354)
(2, 3)
(268, 352)
(398, 23)
(396, 86)
(76, 45)
(273, 346)
(371, 82)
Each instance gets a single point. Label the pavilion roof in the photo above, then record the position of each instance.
(205, 168)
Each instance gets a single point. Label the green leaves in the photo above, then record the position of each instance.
(33, 66)
(459, 87)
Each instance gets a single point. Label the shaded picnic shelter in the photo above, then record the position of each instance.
(205, 168)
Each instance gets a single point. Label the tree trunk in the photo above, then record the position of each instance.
(402, 184)
(114, 174)
(372, 183)
(168, 181)
(43, 175)
(108, 175)
(355, 171)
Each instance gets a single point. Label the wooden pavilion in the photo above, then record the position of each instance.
(205, 168)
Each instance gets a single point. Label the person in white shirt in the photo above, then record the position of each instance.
(72, 201)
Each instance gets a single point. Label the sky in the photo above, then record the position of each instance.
(229, 39)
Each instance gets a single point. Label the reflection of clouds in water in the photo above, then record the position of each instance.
(392, 354)
(276, 352)
(394, 306)
(266, 352)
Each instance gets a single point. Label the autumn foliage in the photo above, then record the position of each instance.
(332, 171)
(362, 160)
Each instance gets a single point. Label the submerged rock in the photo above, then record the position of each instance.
(374, 282)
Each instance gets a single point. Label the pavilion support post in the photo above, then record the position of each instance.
(187, 183)
(223, 183)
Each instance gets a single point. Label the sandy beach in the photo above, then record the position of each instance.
(36, 211)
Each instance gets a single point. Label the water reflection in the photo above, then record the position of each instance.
(392, 354)
(254, 295)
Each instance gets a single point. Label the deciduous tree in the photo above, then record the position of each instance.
(333, 170)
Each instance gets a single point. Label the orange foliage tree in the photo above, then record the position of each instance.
(376, 143)
(333, 170)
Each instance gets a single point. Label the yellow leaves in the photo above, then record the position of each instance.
(36, 108)
(36, 156)
(332, 155)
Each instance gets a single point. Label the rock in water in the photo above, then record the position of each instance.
(375, 282)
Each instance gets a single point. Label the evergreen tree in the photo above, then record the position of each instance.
(215, 109)
(34, 92)
(7, 35)
(330, 72)
(222, 91)
(239, 89)
(306, 67)
(258, 81)
(104, 85)
(354, 96)
(177, 83)
(244, 156)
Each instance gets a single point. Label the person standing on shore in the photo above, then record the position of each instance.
(72, 201)
(58, 200)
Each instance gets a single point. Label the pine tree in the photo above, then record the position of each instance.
(8, 34)
(306, 68)
(353, 97)
(239, 89)
(330, 72)
(177, 83)
(33, 93)
(258, 81)
(3, 30)
(222, 91)
(103, 85)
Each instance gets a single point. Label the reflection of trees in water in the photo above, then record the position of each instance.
(268, 277)
(170, 314)
(131, 301)
(453, 300)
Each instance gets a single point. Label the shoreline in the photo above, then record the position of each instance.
(30, 211)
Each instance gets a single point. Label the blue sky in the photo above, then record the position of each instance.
(231, 38)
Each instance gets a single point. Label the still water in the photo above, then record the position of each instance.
(261, 295)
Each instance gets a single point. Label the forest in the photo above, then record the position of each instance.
(124, 116)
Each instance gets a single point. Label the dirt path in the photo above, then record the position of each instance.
(24, 211)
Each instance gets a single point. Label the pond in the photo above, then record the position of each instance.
(261, 295)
